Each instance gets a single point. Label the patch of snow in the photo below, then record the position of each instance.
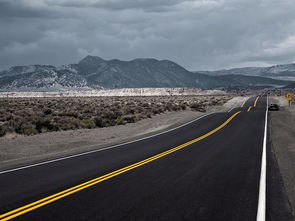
(56, 91)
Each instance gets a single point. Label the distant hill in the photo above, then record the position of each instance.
(290, 86)
(93, 72)
(282, 71)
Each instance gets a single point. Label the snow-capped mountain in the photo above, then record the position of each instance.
(93, 72)
(40, 77)
(281, 71)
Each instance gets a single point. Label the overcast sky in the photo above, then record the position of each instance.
(197, 34)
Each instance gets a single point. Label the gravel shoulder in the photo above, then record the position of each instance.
(19, 150)
(283, 144)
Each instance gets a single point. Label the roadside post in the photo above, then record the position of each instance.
(289, 97)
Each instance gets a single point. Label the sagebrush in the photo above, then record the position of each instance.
(30, 116)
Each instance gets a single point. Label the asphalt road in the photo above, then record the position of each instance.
(216, 176)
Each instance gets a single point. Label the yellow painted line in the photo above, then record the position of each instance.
(42, 202)
(255, 103)
(249, 108)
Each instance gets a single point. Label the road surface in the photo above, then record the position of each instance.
(209, 169)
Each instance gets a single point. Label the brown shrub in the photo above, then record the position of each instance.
(36, 115)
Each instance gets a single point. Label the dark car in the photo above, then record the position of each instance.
(273, 107)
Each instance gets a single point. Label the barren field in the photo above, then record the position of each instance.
(29, 116)
(18, 150)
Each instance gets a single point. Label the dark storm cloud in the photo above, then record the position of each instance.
(199, 34)
(151, 5)
(18, 9)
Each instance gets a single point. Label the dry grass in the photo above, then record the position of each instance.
(29, 116)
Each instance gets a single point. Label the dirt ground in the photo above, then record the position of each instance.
(283, 143)
(21, 150)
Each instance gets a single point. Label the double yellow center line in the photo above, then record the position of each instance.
(255, 103)
(42, 202)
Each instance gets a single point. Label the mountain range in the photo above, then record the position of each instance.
(282, 71)
(93, 72)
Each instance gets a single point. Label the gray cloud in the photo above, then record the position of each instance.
(151, 5)
(198, 34)
(20, 9)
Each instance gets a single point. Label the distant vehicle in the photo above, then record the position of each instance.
(273, 107)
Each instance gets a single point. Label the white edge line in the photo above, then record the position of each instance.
(102, 149)
(230, 109)
(242, 105)
(261, 210)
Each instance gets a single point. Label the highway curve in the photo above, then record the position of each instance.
(207, 170)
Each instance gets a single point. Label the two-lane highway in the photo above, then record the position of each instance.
(209, 169)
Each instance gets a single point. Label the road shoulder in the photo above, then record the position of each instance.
(283, 144)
